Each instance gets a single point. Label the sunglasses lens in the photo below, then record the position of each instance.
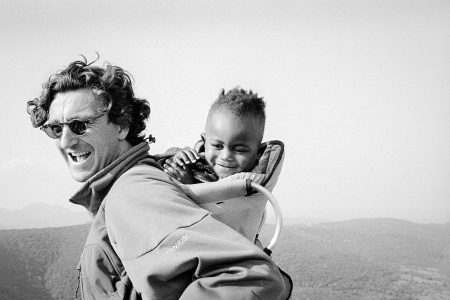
(56, 130)
(77, 127)
(53, 131)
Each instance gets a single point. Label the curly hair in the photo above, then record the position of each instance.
(242, 104)
(110, 85)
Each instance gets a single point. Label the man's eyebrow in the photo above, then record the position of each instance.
(52, 121)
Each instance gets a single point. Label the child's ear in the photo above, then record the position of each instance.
(203, 136)
(262, 147)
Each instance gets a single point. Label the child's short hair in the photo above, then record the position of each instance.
(242, 104)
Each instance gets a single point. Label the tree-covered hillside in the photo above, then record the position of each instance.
(367, 259)
(358, 259)
(40, 263)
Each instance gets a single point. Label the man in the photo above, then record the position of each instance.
(148, 240)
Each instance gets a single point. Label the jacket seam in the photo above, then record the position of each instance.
(169, 234)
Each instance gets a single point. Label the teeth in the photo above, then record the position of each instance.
(79, 157)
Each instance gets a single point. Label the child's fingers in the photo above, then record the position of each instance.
(169, 169)
(177, 167)
(181, 159)
(184, 158)
(189, 156)
(194, 153)
(172, 169)
(177, 160)
(170, 162)
(170, 172)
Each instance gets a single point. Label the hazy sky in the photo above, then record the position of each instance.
(357, 90)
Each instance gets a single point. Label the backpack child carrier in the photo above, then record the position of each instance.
(240, 200)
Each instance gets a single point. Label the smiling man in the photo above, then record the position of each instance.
(85, 154)
(148, 240)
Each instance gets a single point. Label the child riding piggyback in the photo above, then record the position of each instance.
(231, 148)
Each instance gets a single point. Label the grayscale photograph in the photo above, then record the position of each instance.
(203, 149)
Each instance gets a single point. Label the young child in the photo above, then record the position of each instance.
(230, 144)
(231, 148)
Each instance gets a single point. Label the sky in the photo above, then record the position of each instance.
(358, 91)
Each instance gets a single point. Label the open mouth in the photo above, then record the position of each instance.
(79, 157)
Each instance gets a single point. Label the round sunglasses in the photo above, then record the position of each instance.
(78, 127)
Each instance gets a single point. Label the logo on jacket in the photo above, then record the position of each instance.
(178, 243)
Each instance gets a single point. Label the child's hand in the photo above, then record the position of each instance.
(186, 156)
(178, 166)
(181, 173)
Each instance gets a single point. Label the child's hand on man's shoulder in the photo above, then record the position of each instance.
(178, 166)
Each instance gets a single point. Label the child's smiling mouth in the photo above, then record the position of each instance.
(226, 166)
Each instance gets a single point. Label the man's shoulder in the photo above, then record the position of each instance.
(146, 170)
(143, 207)
(145, 185)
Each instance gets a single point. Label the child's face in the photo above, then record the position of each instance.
(231, 143)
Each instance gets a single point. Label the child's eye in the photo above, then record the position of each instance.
(241, 150)
(217, 146)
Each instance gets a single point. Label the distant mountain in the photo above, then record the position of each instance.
(357, 259)
(41, 215)
(367, 259)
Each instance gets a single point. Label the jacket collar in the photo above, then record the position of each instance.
(92, 192)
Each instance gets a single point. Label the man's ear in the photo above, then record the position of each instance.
(123, 132)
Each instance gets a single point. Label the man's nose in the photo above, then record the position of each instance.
(68, 138)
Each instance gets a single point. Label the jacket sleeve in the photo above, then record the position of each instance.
(173, 249)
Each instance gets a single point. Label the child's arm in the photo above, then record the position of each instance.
(178, 166)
